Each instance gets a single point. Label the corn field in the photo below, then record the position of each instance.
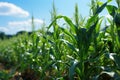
(76, 49)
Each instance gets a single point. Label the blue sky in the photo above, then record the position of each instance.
(15, 15)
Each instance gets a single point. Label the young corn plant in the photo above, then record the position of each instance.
(114, 11)
(114, 32)
(57, 49)
(80, 51)
(80, 38)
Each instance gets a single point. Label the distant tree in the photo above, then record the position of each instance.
(20, 32)
(9, 36)
(2, 35)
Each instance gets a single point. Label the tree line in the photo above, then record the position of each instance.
(7, 36)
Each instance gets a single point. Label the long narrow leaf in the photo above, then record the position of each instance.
(70, 45)
(72, 69)
(68, 33)
(92, 28)
(54, 21)
(72, 26)
(111, 9)
(101, 8)
(68, 21)
(91, 20)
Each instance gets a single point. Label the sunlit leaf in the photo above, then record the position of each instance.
(72, 69)
(70, 45)
(111, 9)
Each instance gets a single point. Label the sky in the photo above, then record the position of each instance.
(15, 15)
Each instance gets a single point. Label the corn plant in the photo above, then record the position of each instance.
(75, 49)
(80, 38)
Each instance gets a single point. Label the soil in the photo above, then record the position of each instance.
(28, 74)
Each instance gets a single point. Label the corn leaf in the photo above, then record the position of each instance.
(70, 45)
(68, 33)
(72, 69)
(111, 9)
(68, 21)
(101, 8)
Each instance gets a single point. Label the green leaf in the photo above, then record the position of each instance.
(109, 0)
(117, 60)
(106, 74)
(56, 31)
(99, 25)
(54, 21)
(72, 26)
(70, 45)
(111, 9)
(72, 69)
(68, 33)
(68, 21)
(101, 8)
(90, 31)
(110, 55)
(91, 20)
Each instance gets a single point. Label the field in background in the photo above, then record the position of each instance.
(76, 49)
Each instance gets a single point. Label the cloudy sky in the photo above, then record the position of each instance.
(15, 15)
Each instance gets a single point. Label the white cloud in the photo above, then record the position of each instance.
(15, 26)
(3, 29)
(25, 23)
(9, 9)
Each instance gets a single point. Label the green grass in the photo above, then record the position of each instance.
(79, 51)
